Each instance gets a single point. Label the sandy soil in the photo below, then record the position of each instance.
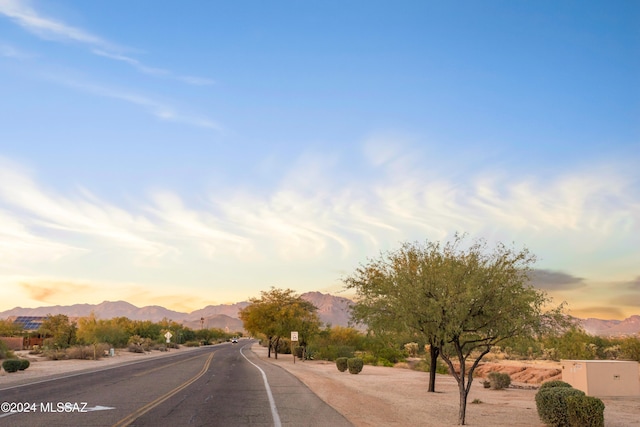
(398, 397)
(378, 395)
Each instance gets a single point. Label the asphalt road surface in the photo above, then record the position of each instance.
(222, 385)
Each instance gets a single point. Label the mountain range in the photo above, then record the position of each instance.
(331, 310)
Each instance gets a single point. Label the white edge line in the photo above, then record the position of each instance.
(274, 410)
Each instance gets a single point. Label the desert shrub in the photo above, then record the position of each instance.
(369, 359)
(133, 348)
(392, 354)
(355, 365)
(24, 364)
(332, 352)
(55, 354)
(5, 353)
(341, 363)
(102, 348)
(83, 352)
(137, 344)
(192, 344)
(411, 348)
(11, 365)
(384, 362)
(425, 366)
(284, 346)
(554, 383)
(499, 380)
(551, 403)
(585, 411)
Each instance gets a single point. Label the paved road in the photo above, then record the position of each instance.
(223, 385)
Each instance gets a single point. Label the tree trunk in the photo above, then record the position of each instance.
(463, 403)
(433, 366)
(269, 348)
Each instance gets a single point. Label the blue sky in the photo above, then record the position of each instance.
(194, 153)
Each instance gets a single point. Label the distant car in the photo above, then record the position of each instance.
(234, 340)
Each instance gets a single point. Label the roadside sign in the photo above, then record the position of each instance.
(168, 336)
(294, 335)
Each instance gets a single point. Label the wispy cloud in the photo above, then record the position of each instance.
(158, 109)
(82, 214)
(317, 213)
(27, 17)
(196, 81)
(22, 12)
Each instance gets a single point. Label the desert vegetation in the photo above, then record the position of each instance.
(450, 306)
(92, 338)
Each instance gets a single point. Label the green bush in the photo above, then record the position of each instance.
(355, 365)
(24, 364)
(341, 363)
(332, 352)
(499, 380)
(384, 362)
(585, 411)
(369, 359)
(551, 403)
(5, 353)
(554, 383)
(192, 344)
(391, 354)
(11, 365)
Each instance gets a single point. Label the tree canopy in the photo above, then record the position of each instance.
(278, 312)
(462, 300)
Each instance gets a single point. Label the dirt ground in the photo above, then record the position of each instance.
(398, 397)
(384, 396)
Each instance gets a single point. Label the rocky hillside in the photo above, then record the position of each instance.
(331, 310)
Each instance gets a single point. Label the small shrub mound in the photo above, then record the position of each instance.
(499, 380)
(341, 363)
(11, 365)
(24, 364)
(355, 365)
(585, 411)
(551, 403)
(554, 383)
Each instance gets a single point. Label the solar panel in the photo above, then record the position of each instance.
(29, 323)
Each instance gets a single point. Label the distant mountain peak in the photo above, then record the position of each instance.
(332, 310)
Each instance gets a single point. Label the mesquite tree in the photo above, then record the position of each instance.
(462, 300)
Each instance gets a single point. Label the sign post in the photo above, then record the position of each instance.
(294, 338)
(168, 336)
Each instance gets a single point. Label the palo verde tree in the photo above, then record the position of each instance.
(465, 300)
(278, 312)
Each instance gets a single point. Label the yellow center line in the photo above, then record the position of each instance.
(149, 406)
